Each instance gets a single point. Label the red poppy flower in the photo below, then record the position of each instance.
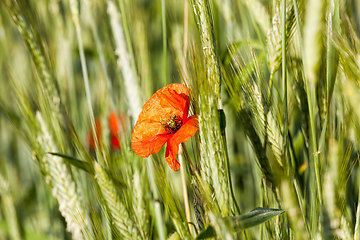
(164, 119)
(114, 130)
(98, 132)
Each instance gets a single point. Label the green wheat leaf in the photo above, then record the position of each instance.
(209, 232)
(255, 217)
(75, 162)
(247, 220)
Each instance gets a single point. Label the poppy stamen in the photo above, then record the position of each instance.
(172, 124)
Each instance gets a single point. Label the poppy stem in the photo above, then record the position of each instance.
(191, 166)
(185, 193)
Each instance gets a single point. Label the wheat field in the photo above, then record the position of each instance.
(272, 88)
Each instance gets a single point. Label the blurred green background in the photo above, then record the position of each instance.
(276, 88)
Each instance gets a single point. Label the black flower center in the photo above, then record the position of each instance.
(172, 124)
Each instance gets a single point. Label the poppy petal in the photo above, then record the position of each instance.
(98, 133)
(150, 146)
(169, 100)
(187, 130)
(113, 123)
(176, 96)
(115, 142)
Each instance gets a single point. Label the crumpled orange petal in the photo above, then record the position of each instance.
(187, 130)
(169, 100)
(150, 146)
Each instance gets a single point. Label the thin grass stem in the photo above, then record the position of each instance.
(283, 48)
(75, 16)
(125, 26)
(298, 25)
(159, 221)
(164, 39)
(101, 56)
(357, 219)
(185, 193)
(186, 23)
(191, 165)
(9, 210)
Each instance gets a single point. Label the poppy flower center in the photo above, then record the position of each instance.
(172, 124)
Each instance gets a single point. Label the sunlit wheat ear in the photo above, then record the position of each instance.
(349, 58)
(171, 203)
(213, 162)
(118, 214)
(140, 206)
(64, 189)
(274, 43)
(128, 73)
(38, 56)
(262, 129)
(314, 38)
(205, 24)
(274, 36)
(297, 72)
(259, 13)
(290, 203)
(346, 166)
(8, 206)
(270, 128)
(212, 143)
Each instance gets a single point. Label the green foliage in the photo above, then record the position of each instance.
(275, 85)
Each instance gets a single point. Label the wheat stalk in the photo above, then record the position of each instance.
(119, 216)
(129, 77)
(212, 143)
(64, 189)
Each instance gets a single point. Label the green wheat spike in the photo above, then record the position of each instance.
(128, 73)
(172, 204)
(119, 215)
(274, 36)
(259, 127)
(37, 54)
(9, 209)
(63, 187)
(140, 205)
(314, 38)
(259, 13)
(212, 144)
